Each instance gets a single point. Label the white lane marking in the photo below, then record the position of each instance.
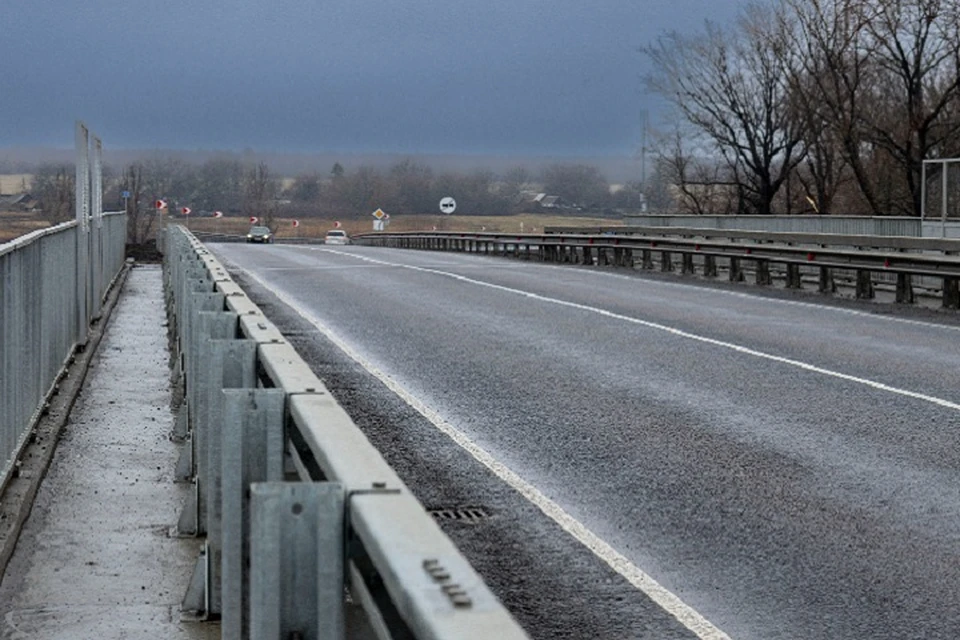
(597, 273)
(667, 600)
(677, 332)
(789, 303)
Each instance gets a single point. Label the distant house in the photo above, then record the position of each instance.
(11, 183)
(532, 201)
(550, 202)
(19, 202)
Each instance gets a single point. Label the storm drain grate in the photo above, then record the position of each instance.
(463, 514)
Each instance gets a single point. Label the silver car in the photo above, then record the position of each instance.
(336, 236)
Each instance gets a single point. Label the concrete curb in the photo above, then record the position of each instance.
(17, 498)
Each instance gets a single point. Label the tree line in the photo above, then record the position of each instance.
(245, 188)
(810, 106)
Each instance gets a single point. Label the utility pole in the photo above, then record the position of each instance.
(644, 115)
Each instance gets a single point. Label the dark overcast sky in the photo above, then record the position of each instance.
(398, 76)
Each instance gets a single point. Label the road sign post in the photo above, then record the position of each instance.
(379, 223)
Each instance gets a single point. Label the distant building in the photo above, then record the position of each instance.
(19, 202)
(15, 183)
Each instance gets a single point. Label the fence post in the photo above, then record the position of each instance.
(83, 229)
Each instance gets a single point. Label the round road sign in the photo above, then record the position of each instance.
(448, 205)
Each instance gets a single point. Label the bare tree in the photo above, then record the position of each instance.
(732, 86)
(917, 44)
(828, 90)
(701, 181)
(412, 182)
(53, 187)
(141, 216)
(260, 190)
(882, 78)
(579, 184)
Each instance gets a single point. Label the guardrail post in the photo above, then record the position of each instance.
(905, 289)
(763, 272)
(686, 264)
(736, 270)
(710, 266)
(253, 441)
(666, 261)
(223, 364)
(826, 284)
(793, 277)
(951, 293)
(296, 561)
(646, 259)
(864, 284)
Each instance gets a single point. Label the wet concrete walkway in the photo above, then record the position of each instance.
(96, 558)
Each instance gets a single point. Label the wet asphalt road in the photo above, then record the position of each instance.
(789, 470)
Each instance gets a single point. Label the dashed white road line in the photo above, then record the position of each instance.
(667, 600)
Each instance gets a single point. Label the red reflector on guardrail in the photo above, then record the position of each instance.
(810, 257)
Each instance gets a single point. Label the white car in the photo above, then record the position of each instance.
(336, 236)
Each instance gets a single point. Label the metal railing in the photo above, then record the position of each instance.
(858, 225)
(52, 284)
(279, 554)
(902, 259)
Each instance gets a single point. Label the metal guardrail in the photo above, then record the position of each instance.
(52, 284)
(859, 225)
(278, 554)
(903, 257)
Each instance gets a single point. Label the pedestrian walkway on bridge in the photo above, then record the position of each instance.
(98, 557)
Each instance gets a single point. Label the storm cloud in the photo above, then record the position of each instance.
(421, 76)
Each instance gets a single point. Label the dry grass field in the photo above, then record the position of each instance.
(17, 224)
(13, 225)
(316, 228)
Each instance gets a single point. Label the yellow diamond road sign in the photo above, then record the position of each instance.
(379, 214)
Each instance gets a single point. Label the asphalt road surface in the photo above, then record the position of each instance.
(678, 460)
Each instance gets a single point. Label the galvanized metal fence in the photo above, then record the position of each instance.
(52, 283)
(297, 507)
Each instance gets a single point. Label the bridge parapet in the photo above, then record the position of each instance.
(295, 503)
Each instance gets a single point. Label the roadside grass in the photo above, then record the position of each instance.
(317, 227)
(14, 224)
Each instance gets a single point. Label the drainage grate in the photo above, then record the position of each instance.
(462, 514)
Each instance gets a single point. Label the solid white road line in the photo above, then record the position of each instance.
(674, 331)
(686, 615)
